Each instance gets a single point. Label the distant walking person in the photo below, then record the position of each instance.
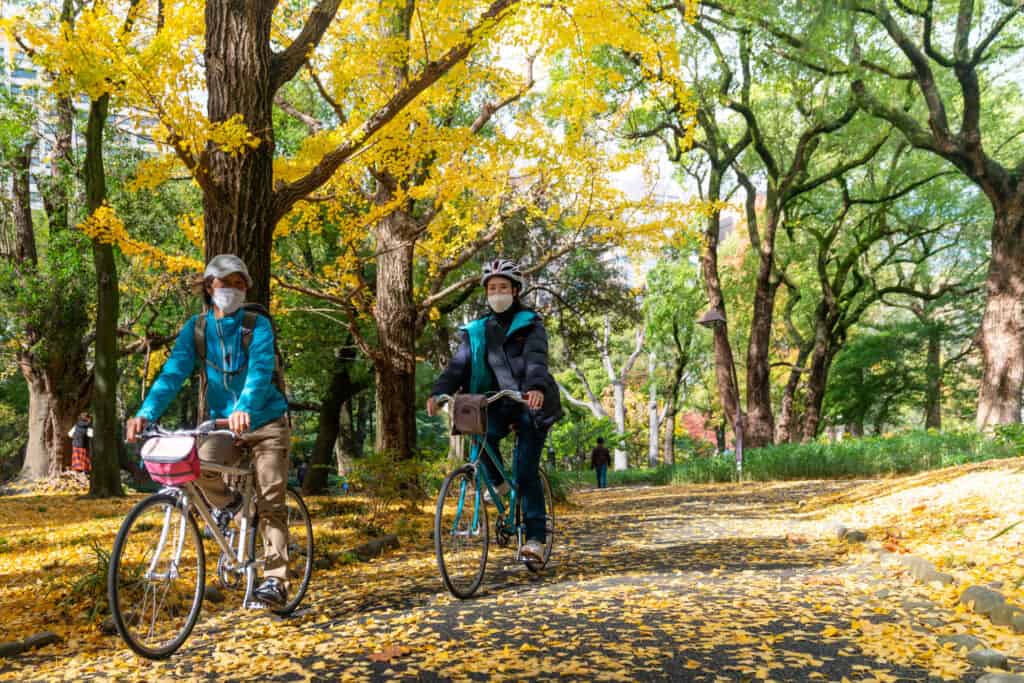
(81, 443)
(600, 458)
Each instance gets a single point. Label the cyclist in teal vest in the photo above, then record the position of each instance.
(508, 349)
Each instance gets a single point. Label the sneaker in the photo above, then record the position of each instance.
(502, 490)
(532, 551)
(272, 592)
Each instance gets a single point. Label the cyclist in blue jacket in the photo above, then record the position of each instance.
(240, 387)
(508, 349)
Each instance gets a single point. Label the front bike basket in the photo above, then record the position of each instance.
(171, 460)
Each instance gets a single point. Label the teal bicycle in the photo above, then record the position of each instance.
(461, 527)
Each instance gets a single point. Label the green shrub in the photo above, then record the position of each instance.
(1011, 435)
(905, 453)
(877, 456)
(386, 479)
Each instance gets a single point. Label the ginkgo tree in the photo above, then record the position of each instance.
(390, 71)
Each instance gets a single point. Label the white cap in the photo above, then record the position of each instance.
(222, 265)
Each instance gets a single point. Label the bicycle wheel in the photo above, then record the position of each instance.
(549, 524)
(300, 551)
(461, 533)
(157, 576)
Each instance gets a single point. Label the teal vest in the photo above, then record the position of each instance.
(480, 379)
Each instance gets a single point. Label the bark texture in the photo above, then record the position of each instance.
(105, 477)
(238, 192)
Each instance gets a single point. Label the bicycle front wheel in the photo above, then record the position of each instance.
(549, 523)
(461, 533)
(157, 576)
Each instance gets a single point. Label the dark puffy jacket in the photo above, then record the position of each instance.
(517, 361)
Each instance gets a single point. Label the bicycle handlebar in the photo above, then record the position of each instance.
(208, 428)
(442, 399)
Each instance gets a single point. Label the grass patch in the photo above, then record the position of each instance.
(879, 456)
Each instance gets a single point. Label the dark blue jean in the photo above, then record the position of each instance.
(503, 417)
(602, 476)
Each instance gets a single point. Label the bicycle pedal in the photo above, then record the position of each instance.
(257, 604)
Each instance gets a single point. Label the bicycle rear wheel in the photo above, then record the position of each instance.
(549, 523)
(300, 551)
(461, 533)
(157, 576)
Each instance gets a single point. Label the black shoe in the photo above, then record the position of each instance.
(272, 592)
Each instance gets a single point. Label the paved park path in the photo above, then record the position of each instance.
(723, 583)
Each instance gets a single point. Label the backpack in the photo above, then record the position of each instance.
(252, 314)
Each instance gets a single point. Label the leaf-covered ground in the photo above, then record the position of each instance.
(708, 583)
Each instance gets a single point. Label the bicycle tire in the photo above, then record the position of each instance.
(549, 524)
(298, 594)
(460, 587)
(117, 563)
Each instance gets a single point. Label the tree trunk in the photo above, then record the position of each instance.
(1002, 327)
(362, 417)
(933, 372)
(237, 205)
(54, 405)
(105, 477)
(786, 429)
(395, 316)
(43, 457)
(759, 425)
(652, 414)
(345, 447)
(52, 361)
(725, 364)
(817, 381)
(56, 188)
(21, 196)
(669, 438)
(339, 392)
(619, 393)
(856, 429)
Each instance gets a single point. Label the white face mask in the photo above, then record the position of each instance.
(500, 303)
(228, 300)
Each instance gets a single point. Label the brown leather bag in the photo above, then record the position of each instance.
(469, 414)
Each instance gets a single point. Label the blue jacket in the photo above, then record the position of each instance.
(250, 390)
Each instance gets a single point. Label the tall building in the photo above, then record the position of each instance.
(24, 80)
(20, 78)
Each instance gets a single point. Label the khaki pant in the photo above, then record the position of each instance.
(269, 446)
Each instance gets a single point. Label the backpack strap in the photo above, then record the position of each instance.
(249, 320)
(199, 340)
(252, 313)
(249, 328)
(199, 337)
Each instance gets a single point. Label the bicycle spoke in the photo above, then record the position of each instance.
(156, 568)
(461, 533)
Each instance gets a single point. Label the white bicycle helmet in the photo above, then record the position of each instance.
(509, 270)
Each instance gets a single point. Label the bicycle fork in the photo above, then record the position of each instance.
(172, 565)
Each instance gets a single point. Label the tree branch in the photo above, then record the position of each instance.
(311, 123)
(284, 65)
(287, 194)
(491, 108)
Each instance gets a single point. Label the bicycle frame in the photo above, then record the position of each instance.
(505, 515)
(190, 496)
